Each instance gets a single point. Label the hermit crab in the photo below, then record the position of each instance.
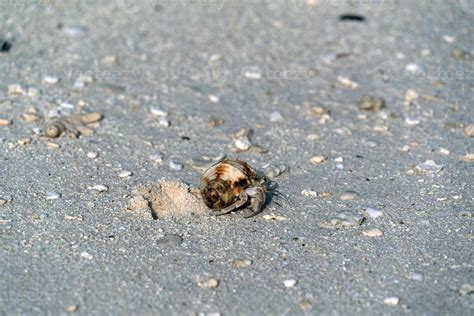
(230, 185)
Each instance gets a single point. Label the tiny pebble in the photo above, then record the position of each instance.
(312, 137)
(52, 196)
(429, 167)
(164, 122)
(24, 141)
(5, 122)
(410, 97)
(53, 145)
(50, 80)
(125, 174)
(466, 289)
(158, 112)
(276, 117)
(469, 130)
(86, 255)
(444, 151)
(391, 301)
(175, 165)
(100, 188)
(274, 217)
(339, 159)
(276, 171)
(468, 157)
(73, 218)
(347, 82)
(241, 263)
(417, 276)
(449, 39)
(373, 213)
(372, 104)
(317, 160)
(92, 154)
(348, 195)
(213, 98)
(413, 68)
(412, 121)
(373, 233)
(157, 158)
(243, 144)
(3, 202)
(74, 30)
(210, 283)
(253, 73)
(307, 192)
(71, 308)
(290, 282)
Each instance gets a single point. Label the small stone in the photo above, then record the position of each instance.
(213, 98)
(417, 276)
(86, 255)
(372, 104)
(253, 73)
(307, 192)
(214, 122)
(158, 112)
(316, 160)
(156, 158)
(92, 154)
(460, 54)
(373, 233)
(429, 167)
(276, 117)
(276, 171)
(210, 283)
(5, 122)
(52, 195)
(449, 39)
(100, 188)
(469, 130)
(312, 137)
(169, 241)
(3, 202)
(53, 145)
(175, 165)
(50, 80)
(73, 30)
(413, 69)
(339, 159)
(241, 263)
(71, 308)
(344, 219)
(444, 151)
(16, 89)
(125, 174)
(325, 194)
(412, 121)
(348, 195)
(274, 217)
(243, 144)
(347, 82)
(290, 282)
(164, 122)
(392, 301)
(373, 213)
(77, 218)
(466, 289)
(109, 60)
(67, 105)
(24, 141)
(410, 97)
(380, 129)
(468, 157)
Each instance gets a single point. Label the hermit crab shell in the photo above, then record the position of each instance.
(222, 183)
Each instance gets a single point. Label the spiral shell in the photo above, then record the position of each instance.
(222, 183)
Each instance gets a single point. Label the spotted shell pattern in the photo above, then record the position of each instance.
(222, 183)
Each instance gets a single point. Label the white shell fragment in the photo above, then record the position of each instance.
(100, 188)
(429, 167)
